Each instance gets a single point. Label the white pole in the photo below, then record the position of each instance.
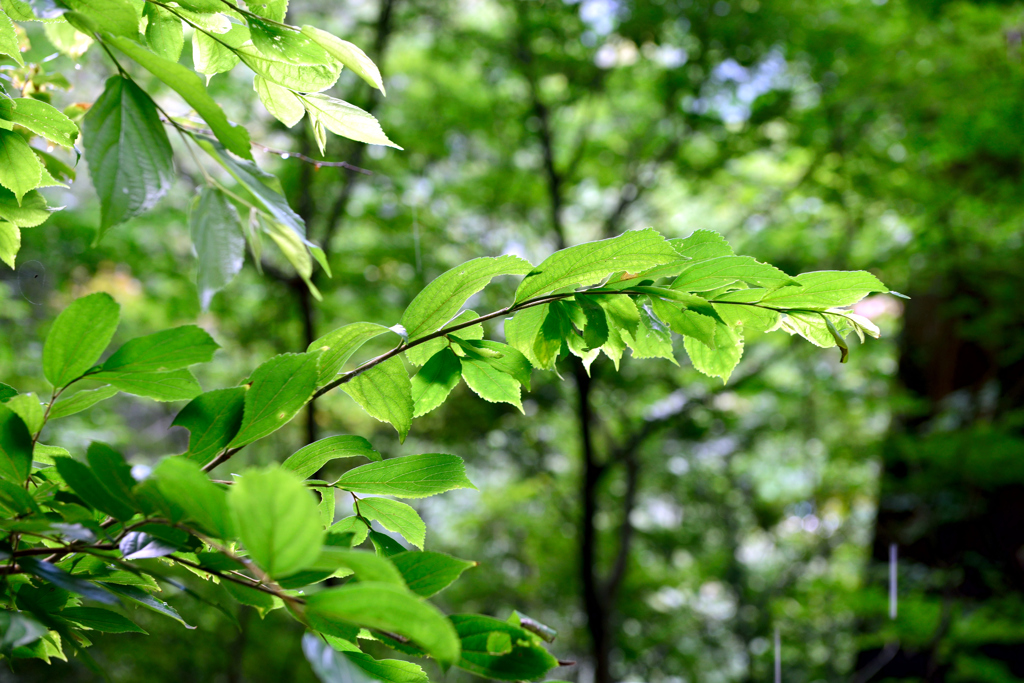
(778, 656)
(892, 580)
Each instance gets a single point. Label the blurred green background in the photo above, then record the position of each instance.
(665, 524)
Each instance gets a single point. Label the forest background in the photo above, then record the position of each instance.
(663, 523)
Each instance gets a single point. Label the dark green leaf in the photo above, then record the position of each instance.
(217, 238)
(84, 482)
(141, 597)
(62, 579)
(15, 447)
(213, 420)
(96, 619)
(128, 152)
(205, 504)
(385, 545)
(524, 661)
(113, 472)
(191, 88)
(18, 629)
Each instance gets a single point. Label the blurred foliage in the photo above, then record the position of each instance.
(826, 134)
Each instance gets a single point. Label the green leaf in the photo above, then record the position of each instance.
(87, 486)
(720, 361)
(205, 503)
(164, 351)
(40, 118)
(283, 104)
(397, 517)
(218, 241)
(490, 382)
(445, 295)
(10, 242)
(506, 358)
(349, 55)
(750, 318)
(16, 499)
(29, 409)
(589, 263)
(210, 56)
(434, 381)
(212, 420)
(702, 244)
(825, 289)
(164, 32)
(306, 461)
(18, 629)
(113, 473)
(686, 322)
(537, 333)
(129, 155)
(82, 400)
(278, 390)
(277, 520)
(143, 598)
(338, 346)
(384, 545)
(117, 17)
(32, 211)
(392, 609)
(262, 189)
(178, 385)
(61, 579)
(365, 565)
(327, 505)
(650, 340)
(286, 44)
(351, 525)
(420, 353)
(704, 276)
(331, 666)
(187, 84)
(67, 39)
(387, 670)
(302, 77)
(525, 660)
(274, 10)
(9, 43)
(20, 169)
(7, 392)
(78, 337)
(344, 119)
(385, 393)
(96, 619)
(411, 476)
(427, 573)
